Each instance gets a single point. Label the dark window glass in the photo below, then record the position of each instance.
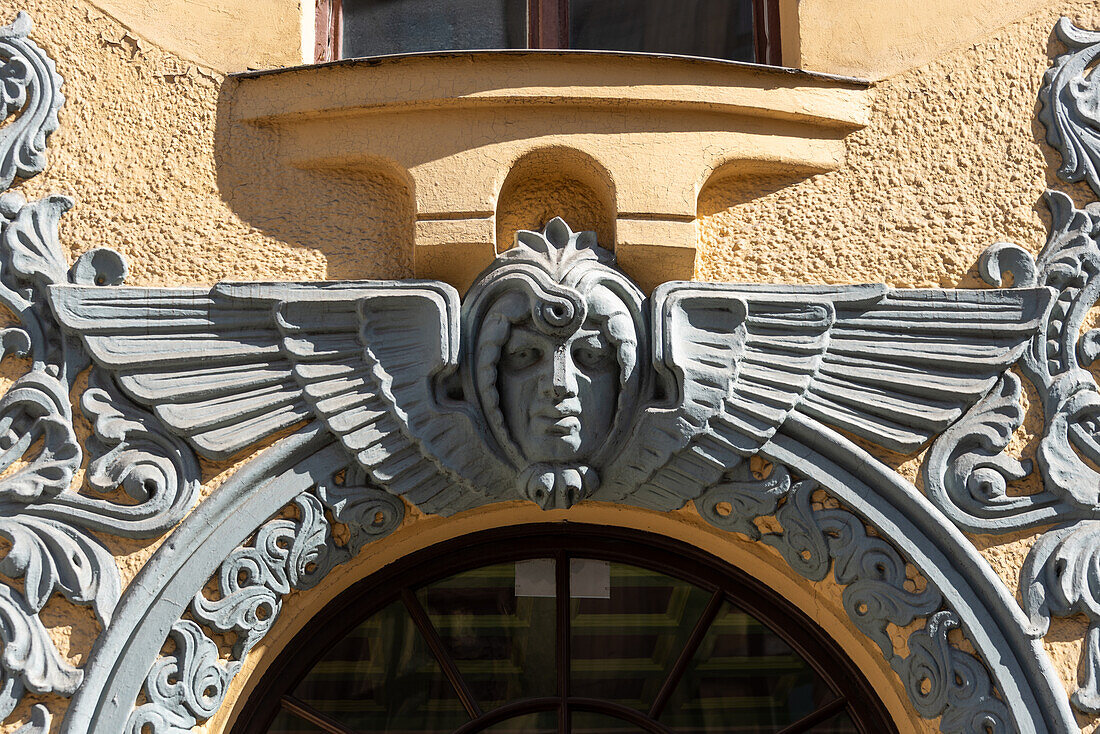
(737, 30)
(718, 29)
(288, 723)
(377, 27)
(744, 679)
(841, 724)
(586, 722)
(544, 631)
(624, 645)
(544, 723)
(502, 644)
(382, 678)
(628, 627)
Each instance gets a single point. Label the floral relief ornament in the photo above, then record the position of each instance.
(557, 381)
(46, 521)
(966, 472)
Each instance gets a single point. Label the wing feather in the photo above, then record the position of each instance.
(738, 369)
(213, 371)
(899, 371)
(227, 367)
(893, 367)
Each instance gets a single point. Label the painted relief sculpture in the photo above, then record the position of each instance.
(550, 384)
(556, 381)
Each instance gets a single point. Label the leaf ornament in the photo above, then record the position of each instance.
(1071, 105)
(30, 87)
(29, 660)
(36, 407)
(53, 556)
(1061, 577)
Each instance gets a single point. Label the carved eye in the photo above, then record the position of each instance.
(521, 357)
(592, 359)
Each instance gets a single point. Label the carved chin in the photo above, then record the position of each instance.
(557, 486)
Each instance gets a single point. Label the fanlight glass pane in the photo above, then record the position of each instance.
(625, 645)
(503, 644)
(744, 679)
(721, 29)
(377, 27)
(541, 723)
(382, 678)
(586, 722)
(287, 723)
(841, 724)
(498, 627)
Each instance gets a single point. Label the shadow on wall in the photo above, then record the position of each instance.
(734, 186)
(359, 215)
(340, 181)
(556, 182)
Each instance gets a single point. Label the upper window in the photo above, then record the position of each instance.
(736, 30)
(562, 630)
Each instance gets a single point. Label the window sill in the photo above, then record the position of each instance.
(645, 132)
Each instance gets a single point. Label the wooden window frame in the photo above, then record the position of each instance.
(548, 28)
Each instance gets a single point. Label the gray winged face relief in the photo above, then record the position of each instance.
(556, 380)
(553, 337)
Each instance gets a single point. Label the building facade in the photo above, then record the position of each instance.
(538, 391)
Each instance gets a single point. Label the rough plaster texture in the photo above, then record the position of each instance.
(878, 40)
(950, 163)
(227, 35)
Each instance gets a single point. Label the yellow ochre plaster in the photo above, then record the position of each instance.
(645, 134)
(880, 39)
(763, 176)
(227, 35)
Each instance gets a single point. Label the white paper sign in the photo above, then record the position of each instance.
(588, 579)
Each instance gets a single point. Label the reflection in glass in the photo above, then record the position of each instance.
(624, 646)
(721, 29)
(377, 27)
(542, 723)
(627, 628)
(586, 722)
(382, 678)
(745, 679)
(288, 723)
(840, 724)
(503, 645)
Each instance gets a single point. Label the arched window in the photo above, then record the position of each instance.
(736, 30)
(549, 629)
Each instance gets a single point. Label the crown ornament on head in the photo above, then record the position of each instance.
(549, 414)
(557, 249)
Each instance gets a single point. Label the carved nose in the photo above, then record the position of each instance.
(563, 376)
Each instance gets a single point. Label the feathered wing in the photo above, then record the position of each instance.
(894, 367)
(227, 367)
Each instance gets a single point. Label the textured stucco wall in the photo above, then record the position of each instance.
(227, 35)
(950, 163)
(884, 38)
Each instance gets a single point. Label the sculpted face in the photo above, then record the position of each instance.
(558, 393)
(553, 336)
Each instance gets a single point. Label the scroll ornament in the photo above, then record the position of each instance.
(45, 517)
(966, 472)
(941, 680)
(557, 381)
(552, 382)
